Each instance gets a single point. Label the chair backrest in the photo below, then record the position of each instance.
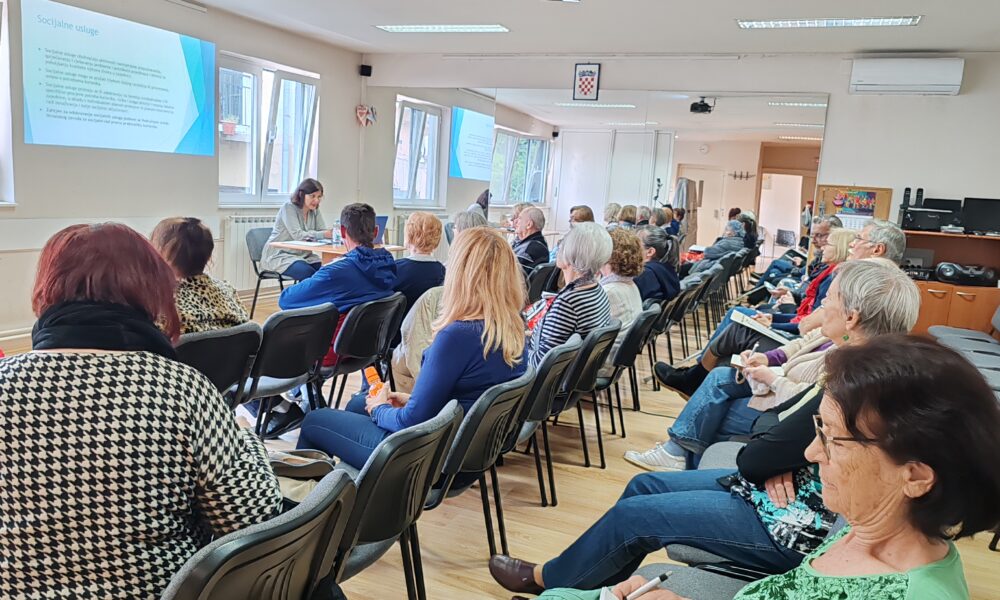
(294, 342)
(785, 237)
(274, 560)
(368, 329)
(636, 337)
(582, 375)
(538, 281)
(549, 376)
(225, 356)
(256, 240)
(484, 429)
(393, 484)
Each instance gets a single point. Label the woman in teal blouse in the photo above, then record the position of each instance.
(906, 443)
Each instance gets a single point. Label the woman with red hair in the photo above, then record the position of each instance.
(119, 461)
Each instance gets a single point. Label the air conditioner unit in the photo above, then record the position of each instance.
(907, 76)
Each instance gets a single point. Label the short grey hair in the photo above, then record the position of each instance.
(655, 238)
(885, 298)
(889, 235)
(643, 213)
(611, 210)
(832, 220)
(467, 220)
(535, 215)
(586, 248)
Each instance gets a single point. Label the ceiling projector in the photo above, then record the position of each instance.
(701, 107)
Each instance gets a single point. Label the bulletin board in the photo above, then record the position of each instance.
(861, 201)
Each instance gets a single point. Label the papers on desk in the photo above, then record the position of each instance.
(312, 244)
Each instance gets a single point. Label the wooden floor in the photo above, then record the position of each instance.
(453, 539)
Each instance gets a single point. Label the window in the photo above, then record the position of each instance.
(519, 168)
(415, 172)
(267, 126)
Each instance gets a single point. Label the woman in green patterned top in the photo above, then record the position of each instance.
(906, 446)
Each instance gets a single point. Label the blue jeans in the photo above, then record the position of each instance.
(717, 411)
(300, 270)
(779, 268)
(348, 434)
(726, 322)
(657, 509)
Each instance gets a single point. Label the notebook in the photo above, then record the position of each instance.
(778, 336)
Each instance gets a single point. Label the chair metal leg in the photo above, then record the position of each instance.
(670, 347)
(583, 435)
(404, 547)
(495, 482)
(652, 371)
(621, 413)
(600, 435)
(256, 293)
(996, 539)
(311, 395)
(533, 444)
(487, 514)
(418, 565)
(340, 396)
(697, 329)
(684, 338)
(633, 386)
(263, 408)
(548, 462)
(611, 412)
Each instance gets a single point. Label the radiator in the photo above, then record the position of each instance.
(238, 269)
(399, 231)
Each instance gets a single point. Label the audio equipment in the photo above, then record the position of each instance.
(919, 273)
(975, 275)
(365, 70)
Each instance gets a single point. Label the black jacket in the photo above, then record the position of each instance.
(658, 281)
(778, 447)
(531, 251)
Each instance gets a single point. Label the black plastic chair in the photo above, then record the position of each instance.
(294, 343)
(275, 560)
(225, 356)
(478, 444)
(538, 408)
(256, 240)
(539, 281)
(392, 490)
(384, 359)
(581, 380)
(624, 360)
(363, 338)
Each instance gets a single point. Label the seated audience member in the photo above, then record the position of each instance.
(481, 206)
(420, 271)
(478, 343)
(868, 298)
(642, 215)
(204, 303)
(679, 214)
(658, 280)
(749, 220)
(298, 220)
(416, 334)
(781, 268)
(467, 220)
(733, 213)
(880, 239)
(731, 241)
(611, 211)
(515, 212)
(617, 279)
(658, 218)
(530, 247)
(582, 305)
(120, 462)
(906, 485)
(627, 217)
(577, 214)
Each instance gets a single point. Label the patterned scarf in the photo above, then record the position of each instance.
(99, 326)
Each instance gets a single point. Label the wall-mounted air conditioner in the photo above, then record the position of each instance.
(907, 76)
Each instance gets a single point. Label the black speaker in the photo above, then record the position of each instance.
(365, 70)
(966, 274)
(555, 134)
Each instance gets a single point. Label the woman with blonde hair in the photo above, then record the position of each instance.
(611, 210)
(627, 216)
(478, 342)
(420, 271)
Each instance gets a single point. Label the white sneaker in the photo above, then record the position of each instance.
(657, 459)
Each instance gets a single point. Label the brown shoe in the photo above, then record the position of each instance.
(514, 575)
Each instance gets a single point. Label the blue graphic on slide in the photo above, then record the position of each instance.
(471, 155)
(97, 81)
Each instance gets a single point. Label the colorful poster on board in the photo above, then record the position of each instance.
(855, 202)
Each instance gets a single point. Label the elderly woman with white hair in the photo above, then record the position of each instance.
(737, 520)
(731, 241)
(582, 305)
(611, 210)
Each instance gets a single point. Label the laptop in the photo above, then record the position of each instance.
(382, 222)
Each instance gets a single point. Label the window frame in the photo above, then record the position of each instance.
(434, 201)
(504, 199)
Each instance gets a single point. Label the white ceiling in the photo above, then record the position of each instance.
(596, 27)
(741, 117)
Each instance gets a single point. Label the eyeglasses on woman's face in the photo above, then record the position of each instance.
(827, 440)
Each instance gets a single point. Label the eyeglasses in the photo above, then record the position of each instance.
(823, 439)
(860, 239)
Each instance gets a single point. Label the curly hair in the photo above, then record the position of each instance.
(626, 253)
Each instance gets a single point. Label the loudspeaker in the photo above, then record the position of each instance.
(555, 134)
(365, 70)
(966, 274)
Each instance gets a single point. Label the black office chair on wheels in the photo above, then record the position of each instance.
(256, 240)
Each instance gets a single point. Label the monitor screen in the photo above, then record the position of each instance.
(981, 214)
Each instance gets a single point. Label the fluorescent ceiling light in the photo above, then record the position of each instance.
(830, 23)
(799, 138)
(632, 123)
(592, 105)
(798, 104)
(805, 125)
(444, 28)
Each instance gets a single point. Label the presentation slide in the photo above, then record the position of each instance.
(96, 81)
(471, 145)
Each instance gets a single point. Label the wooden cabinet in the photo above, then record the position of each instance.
(956, 305)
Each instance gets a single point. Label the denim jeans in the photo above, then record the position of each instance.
(348, 434)
(657, 509)
(779, 268)
(726, 321)
(717, 411)
(301, 269)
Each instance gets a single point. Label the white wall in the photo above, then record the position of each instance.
(728, 156)
(53, 186)
(780, 198)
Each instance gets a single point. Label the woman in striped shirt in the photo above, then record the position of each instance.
(582, 305)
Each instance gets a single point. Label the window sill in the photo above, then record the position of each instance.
(426, 207)
(4, 205)
(250, 206)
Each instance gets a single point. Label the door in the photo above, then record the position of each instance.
(710, 215)
(935, 305)
(583, 175)
(780, 208)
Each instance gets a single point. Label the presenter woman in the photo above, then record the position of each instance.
(298, 220)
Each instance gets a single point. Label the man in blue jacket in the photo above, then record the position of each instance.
(658, 279)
